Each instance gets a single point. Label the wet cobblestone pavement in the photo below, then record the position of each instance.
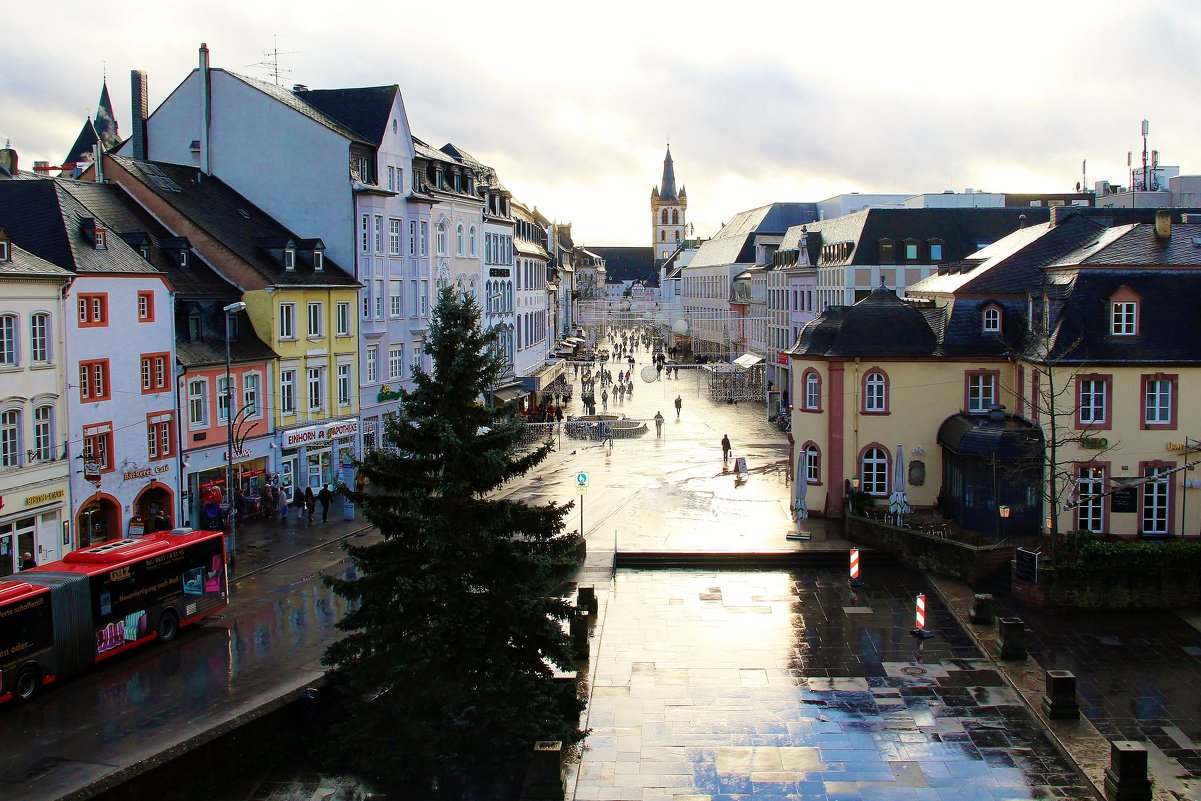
(738, 685)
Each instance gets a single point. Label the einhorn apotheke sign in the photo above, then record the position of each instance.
(320, 435)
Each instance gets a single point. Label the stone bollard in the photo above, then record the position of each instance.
(579, 633)
(982, 608)
(1011, 644)
(1060, 701)
(585, 598)
(544, 776)
(565, 690)
(1126, 777)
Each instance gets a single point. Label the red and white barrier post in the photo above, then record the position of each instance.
(855, 582)
(920, 619)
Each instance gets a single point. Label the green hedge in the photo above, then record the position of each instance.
(1085, 550)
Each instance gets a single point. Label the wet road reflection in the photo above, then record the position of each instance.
(735, 685)
(269, 640)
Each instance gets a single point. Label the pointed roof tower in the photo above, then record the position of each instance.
(106, 121)
(668, 192)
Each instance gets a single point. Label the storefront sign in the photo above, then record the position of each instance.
(386, 393)
(320, 435)
(146, 472)
(44, 497)
(498, 272)
(1181, 446)
(782, 358)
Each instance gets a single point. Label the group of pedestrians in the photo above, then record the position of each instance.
(305, 503)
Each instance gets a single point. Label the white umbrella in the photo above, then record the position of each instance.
(898, 501)
(800, 509)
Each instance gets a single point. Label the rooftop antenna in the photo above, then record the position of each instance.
(270, 61)
(1146, 130)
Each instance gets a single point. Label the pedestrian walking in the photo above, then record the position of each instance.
(325, 496)
(679, 405)
(310, 502)
(725, 447)
(658, 424)
(298, 502)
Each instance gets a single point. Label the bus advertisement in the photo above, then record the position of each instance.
(60, 618)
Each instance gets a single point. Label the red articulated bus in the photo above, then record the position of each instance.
(60, 618)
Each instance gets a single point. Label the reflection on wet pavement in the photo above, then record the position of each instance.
(735, 685)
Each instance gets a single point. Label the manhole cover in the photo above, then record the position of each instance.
(914, 671)
(649, 374)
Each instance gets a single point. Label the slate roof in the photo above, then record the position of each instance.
(126, 218)
(1169, 299)
(735, 242)
(668, 186)
(364, 110)
(879, 325)
(628, 263)
(45, 219)
(23, 264)
(238, 224)
(209, 350)
(1138, 244)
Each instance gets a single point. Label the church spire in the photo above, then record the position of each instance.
(106, 121)
(668, 191)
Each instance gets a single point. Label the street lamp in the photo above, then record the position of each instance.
(1003, 511)
(231, 492)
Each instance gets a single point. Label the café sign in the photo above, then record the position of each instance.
(320, 435)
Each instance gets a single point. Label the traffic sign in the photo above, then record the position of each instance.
(582, 479)
(580, 489)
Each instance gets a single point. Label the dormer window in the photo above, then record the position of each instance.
(145, 251)
(1124, 313)
(194, 326)
(992, 320)
(318, 261)
(935, 249)
(911, 249)
(888, 251)
(183, 258)
(100, 238)
(5, 251)
(290, 259)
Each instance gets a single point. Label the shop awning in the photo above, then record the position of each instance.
(574, 340)
(507, 394)
(748, 360)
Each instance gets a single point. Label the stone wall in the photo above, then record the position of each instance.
(969, 563)
(1131, 588)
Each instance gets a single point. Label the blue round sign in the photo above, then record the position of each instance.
(581, 479)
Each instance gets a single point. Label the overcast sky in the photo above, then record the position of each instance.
(573, 102)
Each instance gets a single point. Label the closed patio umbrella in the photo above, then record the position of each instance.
(898, 501)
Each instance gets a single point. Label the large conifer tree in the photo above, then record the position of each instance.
(452, 623)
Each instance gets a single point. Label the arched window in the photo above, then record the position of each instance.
(873, 471)
(875, 392)
(10, 440)
(43, 433)
(662, 236)
(664, 216)
(471, 239)
(489, 298)
(675, 216)
(811, 400)
(8, 339)
(813, 464)
(459, 240)
(992, 320)
(39, 337)
(441, 238)
(677, 236)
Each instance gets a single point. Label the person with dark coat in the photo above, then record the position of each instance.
(298, 502)
(725, 447)
(325, 496)
(310, 502)
(27, 561)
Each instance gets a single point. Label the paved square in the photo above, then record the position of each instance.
(739, 685)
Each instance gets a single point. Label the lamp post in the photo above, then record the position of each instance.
(231, 491)
(1003, 511)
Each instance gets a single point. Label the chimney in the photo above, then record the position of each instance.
(8, 160)
(1060, 214)
(139, 99)
(1163, 224)
(98, 163)
(206, 110)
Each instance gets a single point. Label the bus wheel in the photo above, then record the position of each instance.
(168, 625)
(26, 686)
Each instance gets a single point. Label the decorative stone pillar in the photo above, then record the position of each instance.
(1126, 777)
(544, 777)
(1060, 702)
(1012, 643)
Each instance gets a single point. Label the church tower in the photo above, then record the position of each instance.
(668, 225)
